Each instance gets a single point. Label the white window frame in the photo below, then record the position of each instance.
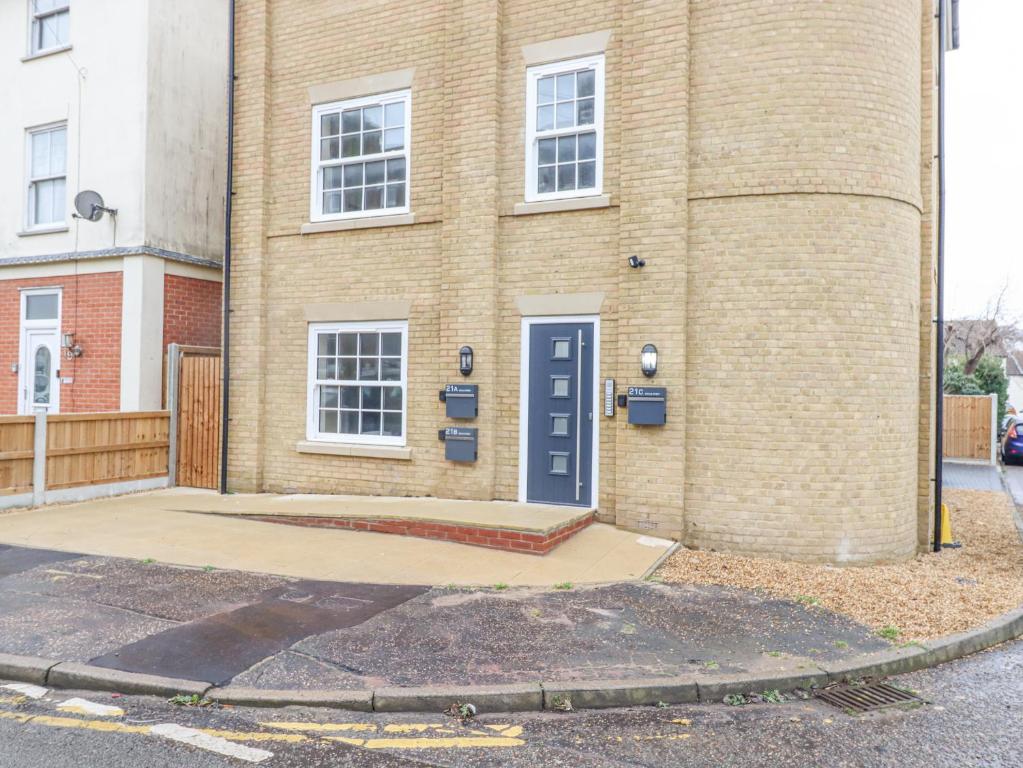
(316, 165)
(533, 75)
(41, 17)
(313, 395)
(31, 181)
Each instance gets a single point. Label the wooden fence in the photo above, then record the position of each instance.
(87, 449)
(969, 429)
(198, 402)
(17, 436)
(95, 448)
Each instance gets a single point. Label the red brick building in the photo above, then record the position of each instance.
(112, 187)
(75, 312)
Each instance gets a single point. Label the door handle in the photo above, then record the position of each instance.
(579, 413)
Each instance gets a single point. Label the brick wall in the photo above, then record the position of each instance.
(191, 311)
(764, 159)
(804, 293)
(91, 308)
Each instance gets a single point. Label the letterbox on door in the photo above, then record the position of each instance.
(461, 401)
(647, 405)
(460, 443)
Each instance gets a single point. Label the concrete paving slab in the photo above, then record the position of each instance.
(136, 527)
(973, 477)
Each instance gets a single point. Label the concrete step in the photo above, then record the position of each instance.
(527, 528)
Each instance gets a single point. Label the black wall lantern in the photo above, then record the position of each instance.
(648, 360)
(465, 360)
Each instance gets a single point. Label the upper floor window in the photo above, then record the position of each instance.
(360, 157)
(565, 129)
(51, 24)
(47, 175)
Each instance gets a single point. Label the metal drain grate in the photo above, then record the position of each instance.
(866, 698)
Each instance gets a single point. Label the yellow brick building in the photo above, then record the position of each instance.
(414, 177)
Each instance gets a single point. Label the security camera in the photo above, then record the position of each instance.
(635, 262)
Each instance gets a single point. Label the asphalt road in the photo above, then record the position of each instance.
(974, 718)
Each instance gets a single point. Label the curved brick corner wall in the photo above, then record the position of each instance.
(804, 276)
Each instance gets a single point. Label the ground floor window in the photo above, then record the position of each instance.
(357, 382)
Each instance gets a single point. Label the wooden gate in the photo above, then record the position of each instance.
(969, 427)
(194, 381)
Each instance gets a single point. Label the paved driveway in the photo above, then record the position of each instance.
(972, 477)
(151, 526)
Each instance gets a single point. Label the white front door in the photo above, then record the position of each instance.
(40, 383)
(39, 368)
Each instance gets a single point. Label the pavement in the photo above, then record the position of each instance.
(971, 476)
(973, 716)
(272, 632)
(163, 526)
(1014, 482)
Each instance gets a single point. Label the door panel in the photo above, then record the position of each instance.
(40, 383)
(559, 449)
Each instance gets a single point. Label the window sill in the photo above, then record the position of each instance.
(568, 204)
(43, 231)
(341, 225)
(47, 52)
(351, 449)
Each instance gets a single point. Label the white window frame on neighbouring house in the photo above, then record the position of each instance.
(323, 144)
(50, 177)
(56, 18)
(535, 134)
(318, 379)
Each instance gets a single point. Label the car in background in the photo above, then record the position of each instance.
(1012, 441)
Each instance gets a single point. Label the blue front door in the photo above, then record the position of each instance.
(559, 448)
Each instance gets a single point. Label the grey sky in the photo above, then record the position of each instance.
(984, 166)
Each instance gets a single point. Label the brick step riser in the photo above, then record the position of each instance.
(492, 538)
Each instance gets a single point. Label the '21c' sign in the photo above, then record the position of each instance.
(648, 405)
(651, 392)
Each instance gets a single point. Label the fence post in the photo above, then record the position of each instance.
(39, 459)
(994, 430)
(173, 396)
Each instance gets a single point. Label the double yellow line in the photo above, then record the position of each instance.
(370, 735)
(434, 735)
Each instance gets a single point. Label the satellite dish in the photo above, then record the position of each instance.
(89, 205)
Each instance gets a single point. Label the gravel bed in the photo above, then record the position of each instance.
(926, 597)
